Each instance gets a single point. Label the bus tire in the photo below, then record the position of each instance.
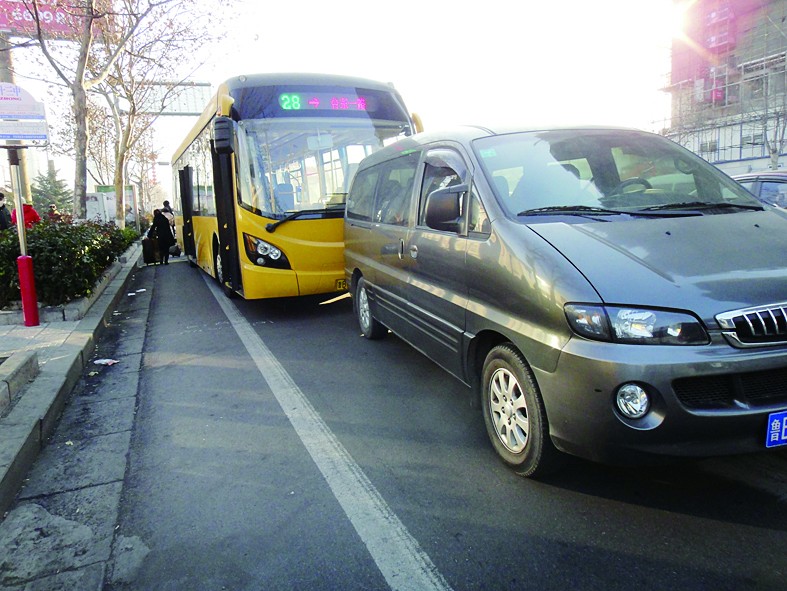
(219, 273)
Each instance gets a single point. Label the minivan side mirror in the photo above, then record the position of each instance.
(223, 135)
(442, 208)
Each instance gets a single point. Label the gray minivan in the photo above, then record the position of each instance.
(606, 292)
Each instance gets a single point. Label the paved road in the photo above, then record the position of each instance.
(274, 448)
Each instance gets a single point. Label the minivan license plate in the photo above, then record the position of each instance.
(777, 429)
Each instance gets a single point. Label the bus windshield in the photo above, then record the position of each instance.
(304, 164)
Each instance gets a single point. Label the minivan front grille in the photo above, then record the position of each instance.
(743, 390)
(755, 327)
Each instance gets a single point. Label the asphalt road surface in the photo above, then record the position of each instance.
(275, 448)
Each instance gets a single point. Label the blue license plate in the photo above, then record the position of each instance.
(777, 429)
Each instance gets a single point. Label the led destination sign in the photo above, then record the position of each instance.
(323, 101)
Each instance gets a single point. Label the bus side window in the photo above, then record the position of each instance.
(360, 202)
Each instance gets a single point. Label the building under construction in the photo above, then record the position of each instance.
(729, 83)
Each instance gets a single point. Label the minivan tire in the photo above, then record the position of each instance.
(370, 327)
(514, 414)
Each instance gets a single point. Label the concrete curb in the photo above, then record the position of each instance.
(15, 372)
(33, 418)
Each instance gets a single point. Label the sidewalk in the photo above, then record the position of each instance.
(41, 365)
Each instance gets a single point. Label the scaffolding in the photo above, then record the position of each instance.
(729, 84)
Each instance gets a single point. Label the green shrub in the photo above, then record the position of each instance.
(68, 259)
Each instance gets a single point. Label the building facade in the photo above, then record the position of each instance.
(728, 83)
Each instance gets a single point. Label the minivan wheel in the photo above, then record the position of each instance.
(514, 414)
(370, 328)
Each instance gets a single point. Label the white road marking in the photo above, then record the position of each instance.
(405, 566)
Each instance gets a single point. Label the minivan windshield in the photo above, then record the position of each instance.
(604, 172)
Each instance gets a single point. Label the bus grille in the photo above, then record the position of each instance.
(755, 327)
(744, 390)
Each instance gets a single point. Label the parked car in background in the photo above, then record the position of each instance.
(605, 292)
(769, 186)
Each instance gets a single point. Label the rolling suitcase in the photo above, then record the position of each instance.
(150, 253)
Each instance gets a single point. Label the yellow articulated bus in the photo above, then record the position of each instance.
(262, 178)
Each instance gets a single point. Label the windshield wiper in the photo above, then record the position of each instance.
(272, 226)
(569, 209)
(702, 205)
(587, 210)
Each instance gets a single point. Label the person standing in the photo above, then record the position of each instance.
(31, 215)
(5, 215)
(161, 231)
(167, 212)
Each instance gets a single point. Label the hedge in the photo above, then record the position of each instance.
(68, 259)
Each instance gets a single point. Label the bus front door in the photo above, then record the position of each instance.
(187, 207)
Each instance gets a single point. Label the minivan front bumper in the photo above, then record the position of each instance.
(705, 400)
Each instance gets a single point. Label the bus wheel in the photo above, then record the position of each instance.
(370, 328)
(217, 266)
(220, 278)
(514, 414)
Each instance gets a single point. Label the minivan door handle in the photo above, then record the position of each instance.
(401, 249)
(414, 251)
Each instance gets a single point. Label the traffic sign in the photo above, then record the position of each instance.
(22, 118)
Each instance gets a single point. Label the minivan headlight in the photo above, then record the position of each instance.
(639, 326)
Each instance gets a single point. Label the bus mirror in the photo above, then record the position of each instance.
(442, 208)
(417, 123)
(223, 135)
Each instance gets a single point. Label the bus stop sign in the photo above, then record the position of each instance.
(22, 118)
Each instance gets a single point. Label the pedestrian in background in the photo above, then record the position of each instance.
(5, 215)
(161, 231)
(31, 215)
(167, 212)
(53, 214)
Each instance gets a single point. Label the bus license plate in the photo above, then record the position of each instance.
(341, 284)
(777, 429)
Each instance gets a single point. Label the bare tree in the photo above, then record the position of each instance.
(90, 20)
(134, 92)
(117, 47)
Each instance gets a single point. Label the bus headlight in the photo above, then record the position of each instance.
(264, 254)
(268, 250)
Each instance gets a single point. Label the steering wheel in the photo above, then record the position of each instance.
(636, 180)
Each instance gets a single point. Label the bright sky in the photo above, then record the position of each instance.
(525, 62)
(504, 62)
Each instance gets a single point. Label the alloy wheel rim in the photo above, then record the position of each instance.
(508, 410)
(364, 315)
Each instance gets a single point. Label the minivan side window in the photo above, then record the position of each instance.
(395, 190)
(360, 202)
(435, 177)
(478, 223)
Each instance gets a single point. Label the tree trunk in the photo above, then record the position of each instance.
(120, 193)
(80, 147)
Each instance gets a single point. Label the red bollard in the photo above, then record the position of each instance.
(27, 286)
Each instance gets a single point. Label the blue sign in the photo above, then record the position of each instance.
(777, 429)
